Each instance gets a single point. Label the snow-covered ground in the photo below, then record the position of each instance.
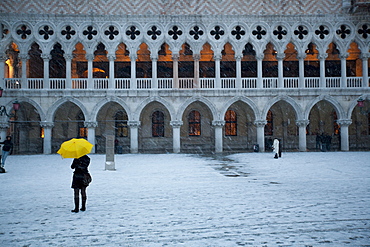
(248, 199)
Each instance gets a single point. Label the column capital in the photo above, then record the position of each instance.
(24, 56)
(301, 56)
(218, 123)
(133, 57)
(89, 57)
(280, 56)
(196, 57)
(302, 122)
(45, 56)
(176, 123)
(4, 125)
(238, 57)
(217, 57)
(260, 123)
(68, 57)
(260, 56)
(365, 56)
(322, 56)
(133, 124)
(3, 57)
(175, 57)
(111, 57)
(344, 55)
(344, 122)
(46, 124)
(90, 124)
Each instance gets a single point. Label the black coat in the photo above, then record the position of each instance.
(79, 176)
(8, 145)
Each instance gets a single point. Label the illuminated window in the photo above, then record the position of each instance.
(121, 124)
(336, 127)
(230, 123)
(194, 123)
(269, 127)
(158, 124)
(42, 133)
(82, 131)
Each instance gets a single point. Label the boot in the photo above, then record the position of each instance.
(83, 208)
(77, 203)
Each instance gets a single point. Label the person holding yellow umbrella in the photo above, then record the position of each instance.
(78, 149)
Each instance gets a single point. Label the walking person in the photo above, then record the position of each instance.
(81, 179)
(7, 149)
(275, 147)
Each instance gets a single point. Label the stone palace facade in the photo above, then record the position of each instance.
(186, 76)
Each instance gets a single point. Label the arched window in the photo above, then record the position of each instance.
(194, 123)
(230, 123)
(82, 130)
(121, 124)
(336, 127)
(269, 127)
(158, 124)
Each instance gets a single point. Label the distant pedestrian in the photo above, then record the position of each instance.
(81, 179)
(280, 147)
(275, 147)
(7, 149)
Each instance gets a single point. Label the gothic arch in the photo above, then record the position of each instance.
(243, 99)
(191, 100)
(94, 113)
(147, 101)
(338, 108)
(51, 111)
(287, 99)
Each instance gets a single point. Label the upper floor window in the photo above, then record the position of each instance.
(194, 123)
(230, 123)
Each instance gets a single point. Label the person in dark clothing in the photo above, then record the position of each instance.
(81, 179)
(7, 149)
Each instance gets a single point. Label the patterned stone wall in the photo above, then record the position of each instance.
(173, 7)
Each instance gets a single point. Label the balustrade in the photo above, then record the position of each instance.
(184, 83)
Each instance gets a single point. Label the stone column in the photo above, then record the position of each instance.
(302, 124)
(46, 58)
(343, 70)
(196, 58)
(111, 82)
(91, 133)
(154, 58)
(301, 82)
(24, 57)
(133, 58)
(322, 58)
(218, 124)
(365, 74)
(238, 82)
(280, 57)
(260, 124)
(175, 59)
(3, 58)
(217, 58)
(259, 58)
(68, 58)
(134, 135)
(176, 126)
(47, 126)
(344, 138)
(90, 81)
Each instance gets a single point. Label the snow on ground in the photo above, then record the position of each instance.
(247, 199)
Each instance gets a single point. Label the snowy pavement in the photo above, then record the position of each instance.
(248, 199)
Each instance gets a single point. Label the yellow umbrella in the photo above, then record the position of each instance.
(75, 148)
